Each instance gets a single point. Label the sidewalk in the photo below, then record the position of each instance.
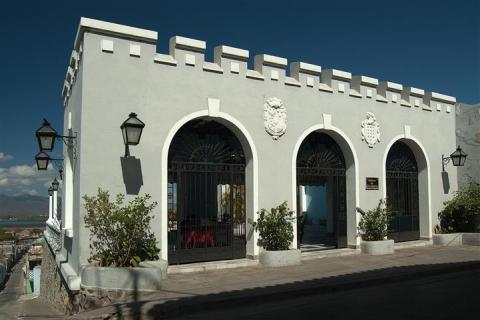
(14, 304)
(189, 293)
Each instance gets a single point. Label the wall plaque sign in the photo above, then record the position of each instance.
(371, 183)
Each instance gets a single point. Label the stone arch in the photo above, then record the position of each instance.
(251, 173)
(424, 182)
(352, 170)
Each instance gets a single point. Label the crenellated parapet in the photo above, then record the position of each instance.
(234, 61)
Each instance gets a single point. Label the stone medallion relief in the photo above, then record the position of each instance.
(275, 117)
(370, 130)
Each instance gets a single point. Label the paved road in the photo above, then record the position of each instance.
(448, 296)
(9, 296)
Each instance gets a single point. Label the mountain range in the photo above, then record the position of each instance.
(23, 205)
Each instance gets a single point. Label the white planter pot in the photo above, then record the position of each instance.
(447, 239)
(109, 278)
(471, 239)
(457, 239)
(377, 247)
(280, 258)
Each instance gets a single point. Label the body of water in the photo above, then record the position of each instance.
(22, 224)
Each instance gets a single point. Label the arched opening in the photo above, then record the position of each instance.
(402, 192)
(321, 194)
(206, 194)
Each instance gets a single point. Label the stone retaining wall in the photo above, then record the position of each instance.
(55, 291)
(53, 287)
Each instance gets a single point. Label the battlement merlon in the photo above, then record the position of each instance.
(87, 24)
(186, 51)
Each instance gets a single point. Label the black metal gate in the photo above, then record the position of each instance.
(206, 195)
(320, 162)
(402, 193)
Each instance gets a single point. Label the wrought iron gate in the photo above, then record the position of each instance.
(320, 162)
(206, 195)
(402, 193)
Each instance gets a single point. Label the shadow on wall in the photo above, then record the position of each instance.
(445, 182)
(132, 174)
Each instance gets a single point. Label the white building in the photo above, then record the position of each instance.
(222, 141)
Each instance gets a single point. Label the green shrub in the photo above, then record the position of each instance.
(374, 223)
(462, 212)
(120, 234)
(275, 228)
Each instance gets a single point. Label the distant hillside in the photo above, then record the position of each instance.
(24, 205)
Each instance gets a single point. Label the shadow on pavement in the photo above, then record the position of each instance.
(160, 309)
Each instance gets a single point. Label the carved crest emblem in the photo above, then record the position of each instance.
(275, 117)
(370, 130)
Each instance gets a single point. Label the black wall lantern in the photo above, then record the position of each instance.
(46, 136)
(55, 184)
(458, 158)
(132, 132)
(43, 159)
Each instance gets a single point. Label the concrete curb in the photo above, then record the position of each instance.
(182, 306)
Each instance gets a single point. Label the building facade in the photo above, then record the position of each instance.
(221, 141)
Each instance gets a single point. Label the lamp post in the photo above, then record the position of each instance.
(458, 158)
(132, 131)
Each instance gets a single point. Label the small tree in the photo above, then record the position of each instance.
(120, 234)
(462, 212)
(374, 223)
(275, 227)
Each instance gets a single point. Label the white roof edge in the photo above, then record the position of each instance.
(415, 91)
(234, 52)
(442, 97)
(366, 80)
(391, 86)
(307, 67)
(272, 60)
(113, 28)
(334, 73)
(188, 42)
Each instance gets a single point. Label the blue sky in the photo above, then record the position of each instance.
(433, 45)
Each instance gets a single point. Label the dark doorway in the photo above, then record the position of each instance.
(206, 194)
(402, 192)
(321, 194)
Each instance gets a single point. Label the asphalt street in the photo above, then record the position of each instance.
(448, 296)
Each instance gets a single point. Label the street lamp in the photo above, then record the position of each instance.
(50, 191)
(46, 136)
(458, 158)
(55, 184)
(42, 160)
(132, 131)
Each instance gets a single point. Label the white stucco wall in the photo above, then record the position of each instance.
(165, 91)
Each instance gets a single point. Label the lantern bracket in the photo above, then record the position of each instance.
(445, 161)
(70, 142)
(58, 164)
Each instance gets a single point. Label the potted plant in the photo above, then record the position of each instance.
(123, 250)
(373, 229)
(276, 235)
(460, 219)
